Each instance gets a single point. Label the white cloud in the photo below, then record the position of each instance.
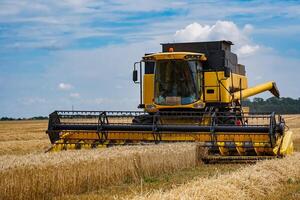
(75, 95)
(247, 50)
(64, 86)
(248, 29)
(221, 30)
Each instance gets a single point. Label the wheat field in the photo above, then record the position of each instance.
(167, 171)
(253, 182)
(23, 137)
(37, 176)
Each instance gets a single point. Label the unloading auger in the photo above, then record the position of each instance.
(191, 92)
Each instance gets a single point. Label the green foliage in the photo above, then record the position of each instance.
(6, 119)
(38, 118)
(283, 105)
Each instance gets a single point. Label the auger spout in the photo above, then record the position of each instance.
(269, 86)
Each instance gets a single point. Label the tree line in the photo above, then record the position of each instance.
(22, 118)
(283, 105)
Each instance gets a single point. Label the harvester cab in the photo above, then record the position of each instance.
(190, 92)
(182, 77)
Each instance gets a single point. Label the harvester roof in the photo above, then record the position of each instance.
(175, 55)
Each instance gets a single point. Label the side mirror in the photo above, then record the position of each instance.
(135, 75)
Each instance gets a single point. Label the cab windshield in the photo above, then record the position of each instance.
(176, 82)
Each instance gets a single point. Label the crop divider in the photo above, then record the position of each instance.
(102, 133)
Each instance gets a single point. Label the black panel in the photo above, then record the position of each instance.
(218, 53)
(241, 69)
(210, 91)
(199, 47)
(149, 67)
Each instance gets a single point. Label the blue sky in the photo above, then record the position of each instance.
(59, 54)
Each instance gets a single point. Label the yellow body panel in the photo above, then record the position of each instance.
(196, 105)
(148, 88)
(287, 146)
(179, 136)
(260, 142)
(221, 86)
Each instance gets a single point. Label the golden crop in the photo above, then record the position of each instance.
(253, 182)
(36, 176)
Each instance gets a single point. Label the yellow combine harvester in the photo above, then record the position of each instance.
(190, 92)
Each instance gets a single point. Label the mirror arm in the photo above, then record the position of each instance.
(135, 75)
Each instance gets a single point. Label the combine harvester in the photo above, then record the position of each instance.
(191, 92)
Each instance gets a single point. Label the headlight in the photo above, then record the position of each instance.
(199, 105)
(150, 106)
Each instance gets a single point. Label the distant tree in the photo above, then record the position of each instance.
(283, 105)
(31, 118)
(273, 100)
(258, 100)
(38, 118)
(6, 119)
